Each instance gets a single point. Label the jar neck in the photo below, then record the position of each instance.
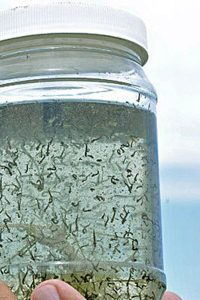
(66, 56)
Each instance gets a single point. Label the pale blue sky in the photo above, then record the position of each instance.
(174, 69)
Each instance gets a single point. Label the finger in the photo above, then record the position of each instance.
(55, 289)
(5, 292)
(171, 296)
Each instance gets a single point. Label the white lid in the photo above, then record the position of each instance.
(74, 17)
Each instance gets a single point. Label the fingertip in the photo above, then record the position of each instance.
(171, 296)
(6, 293)
(64, 290)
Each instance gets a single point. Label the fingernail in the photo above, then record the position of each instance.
(46, 292)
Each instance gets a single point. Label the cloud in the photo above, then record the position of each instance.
(174, 69)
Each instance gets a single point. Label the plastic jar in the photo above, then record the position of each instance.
(79, 184)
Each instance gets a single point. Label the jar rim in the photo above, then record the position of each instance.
(78, 17)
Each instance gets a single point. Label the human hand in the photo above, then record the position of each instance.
(171, 296)
(48, 290)
(58, 290)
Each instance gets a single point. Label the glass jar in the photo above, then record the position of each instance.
(79, 183)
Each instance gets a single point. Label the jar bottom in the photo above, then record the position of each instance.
(94, 281)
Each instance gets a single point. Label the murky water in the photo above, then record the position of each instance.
(79, 199)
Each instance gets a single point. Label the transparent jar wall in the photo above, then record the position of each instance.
(79, 169)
